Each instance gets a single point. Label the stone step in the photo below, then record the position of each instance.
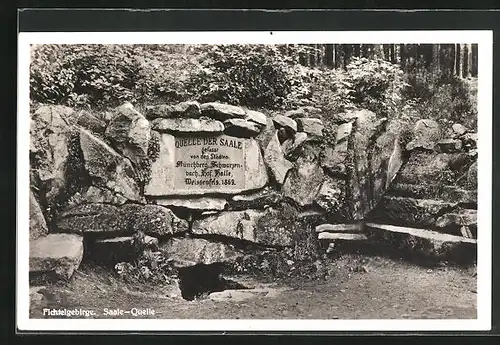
(341, 236)
(56, 255)
(426, 242)
(358, 227)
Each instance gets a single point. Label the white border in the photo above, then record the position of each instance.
(485, 86)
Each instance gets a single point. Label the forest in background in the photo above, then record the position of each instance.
(410, 81)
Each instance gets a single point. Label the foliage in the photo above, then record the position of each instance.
(250, 75)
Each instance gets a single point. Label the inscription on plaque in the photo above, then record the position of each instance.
(209, 163)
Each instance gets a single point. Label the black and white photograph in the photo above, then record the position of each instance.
(255, 180)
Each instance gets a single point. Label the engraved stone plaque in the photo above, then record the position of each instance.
(198, 165)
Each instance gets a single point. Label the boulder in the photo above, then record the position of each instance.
(187, 252)
(183, 125)
(450, 145)
(97, 195)
(110, 221)
(152, 220)
(459, 217)
(92, 218)
(201, 203)
(266, 134)
(241, 128)
(459, 129)
(90, 122)
(38, 226)
(256, 117)
(290, 146)
(221, 111)
(271, 227)
(281, 121)
(50, 132)
(305, 178)
(129, 132)
(334, 157)
(107, 168)
(410, 212)
(257, 200)
(310, 126)
(359, 180)
(57, 255)
(428, 243)
(183, 109)
(303, 112)
(426, 134)
(434, 168)
(331, 196)
(276, 161)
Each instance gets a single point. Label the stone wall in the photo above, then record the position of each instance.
(207, 183)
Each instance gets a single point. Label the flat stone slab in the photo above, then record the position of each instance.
(310, 126)
(188, 126)
(341, 236)
(221, 111)
(285, 122)
(117, 249)
(241, 128)
(257, 200)
(256, 116)
(187, 252)
(206, 165)
(183, 109)
(203, 203)
(358, 227)
(276, 161)
(426, 242)
(56, 253)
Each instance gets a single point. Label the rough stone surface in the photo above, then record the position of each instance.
(426, 133)
(58, 254)
(152, 220)
(92, 218)
(459, 129)
(304, 181)
(38, 226)
(183, 109)
(310, 126)
(331, 196)
(285, 122)
(438, 192)
(266, 134)
(162, 182)
(459, 217)
(221, 111)
(472, 176)
(107, 168)
(269, 227)
(203, 203)
(241, 128)
(276, 161)
(111, 221)
(343, 132)
(411, 212)
(201, 125)
(290, 146)
(90, 122)
(257, 200)
(187, 252)
(256, 117)
(303, 112)
(450, 145)
(434, 168)
(98, 195)
(429, 243)
(129, 132)
(50, 130)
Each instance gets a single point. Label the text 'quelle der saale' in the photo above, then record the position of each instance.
(209, 162)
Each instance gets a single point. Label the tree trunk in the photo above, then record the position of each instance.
(435, 58)
(474, 59)
(330, 55)
(469, 60)
(461, 61)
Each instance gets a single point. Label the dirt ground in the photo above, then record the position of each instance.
(382, 289)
